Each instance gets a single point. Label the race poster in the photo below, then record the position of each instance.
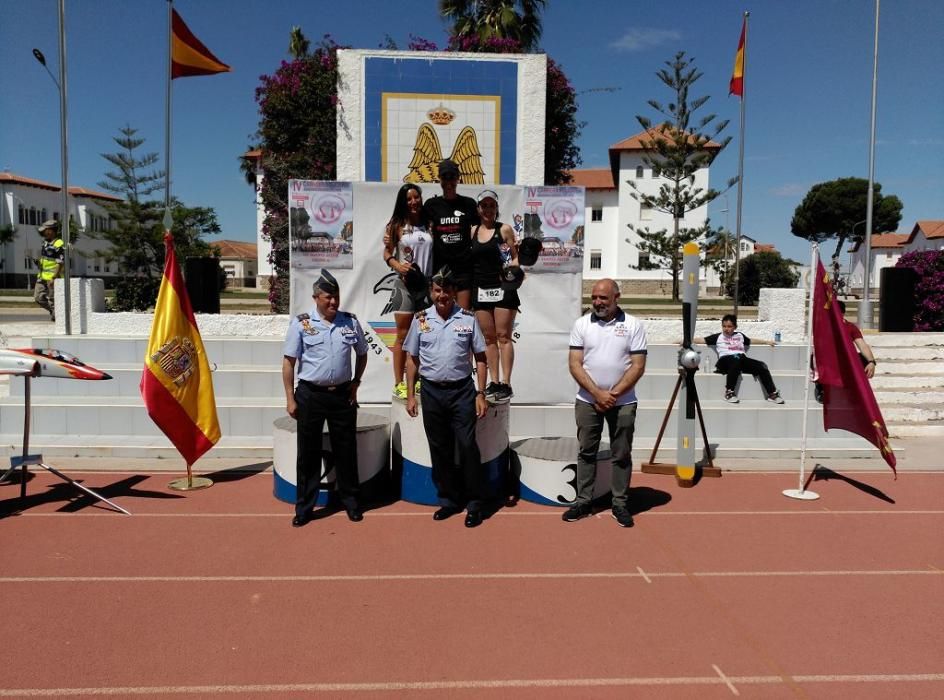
(556, 216)
(321, 224)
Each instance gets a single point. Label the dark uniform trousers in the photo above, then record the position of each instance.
(733, 365)
(449, 421)
(315, 406)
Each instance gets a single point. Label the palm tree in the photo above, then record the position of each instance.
(502, 19)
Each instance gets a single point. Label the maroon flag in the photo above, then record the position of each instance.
(848, 401)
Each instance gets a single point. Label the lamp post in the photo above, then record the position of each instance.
(64, 228)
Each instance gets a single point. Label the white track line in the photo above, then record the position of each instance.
(468, 685)
(726, 680)
(647, 576)
(643, 574)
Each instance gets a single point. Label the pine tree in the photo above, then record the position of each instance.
(676, 148)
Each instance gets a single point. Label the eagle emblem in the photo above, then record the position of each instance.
(427, 153)
(177, 357)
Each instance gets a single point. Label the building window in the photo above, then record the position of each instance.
(639, 172)
(655, 171)
(28, 262)
(596, 213)
(596, 259)
(21, 214)
(644, 260)
(645, 213)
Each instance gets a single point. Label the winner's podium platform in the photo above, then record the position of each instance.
(413, 464)
(547, 470)
(373, 457)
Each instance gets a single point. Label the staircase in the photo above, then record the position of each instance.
(909, 382)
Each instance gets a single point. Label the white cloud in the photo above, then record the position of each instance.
(642, 38)
(790, 189)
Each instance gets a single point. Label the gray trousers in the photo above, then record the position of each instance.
(620, 421)
(43, 294)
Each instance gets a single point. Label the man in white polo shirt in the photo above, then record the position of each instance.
(607, 357)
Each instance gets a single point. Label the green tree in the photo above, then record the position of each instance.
(298, 43)
(136, 236)
(837, 209)
(677, 147)
(519, 20)
(720, 248)
(758, 270)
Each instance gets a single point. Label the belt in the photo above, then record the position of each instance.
(320, 387)
(446, 385)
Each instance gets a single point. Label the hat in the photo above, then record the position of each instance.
(415, 280)
(326, 283)
(487, 194)
(528, 251)
(49, 224)
(444, 277)
(447, 167)
(512, 277)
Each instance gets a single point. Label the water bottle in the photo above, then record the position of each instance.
(776, 337)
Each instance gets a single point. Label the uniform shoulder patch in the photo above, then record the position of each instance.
(351, 315)
(303, 317)
(420, 315)
(466, 312)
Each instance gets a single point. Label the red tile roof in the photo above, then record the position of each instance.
(931, 229)
(235, 249)
(635, 143)
(765, 248)
(884, 240)
(254, 153)
(15, 179)
(593, 178)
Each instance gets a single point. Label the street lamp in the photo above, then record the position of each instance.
(64, 228)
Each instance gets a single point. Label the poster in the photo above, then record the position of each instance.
(321, 224)
(556, 216)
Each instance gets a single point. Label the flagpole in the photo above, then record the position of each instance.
(168, 220)
(740, 199)
(800, 492)
(865, 308)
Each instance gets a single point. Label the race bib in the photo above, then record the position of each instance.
(491, 295)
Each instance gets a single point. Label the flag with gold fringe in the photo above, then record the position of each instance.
(176, 384)
(848, 400)
(188, 55)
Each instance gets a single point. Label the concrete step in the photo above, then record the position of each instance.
(913, 413)
(921, 353)
(904, 340)
(902, 381)
(930, 429)
(906, 396)
(918, 368)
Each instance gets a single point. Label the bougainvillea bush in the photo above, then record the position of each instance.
(929, 288)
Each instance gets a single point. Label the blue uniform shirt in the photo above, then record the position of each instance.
(443, 346)
(324, 349)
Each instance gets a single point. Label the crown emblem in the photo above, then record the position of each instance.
(441, 115)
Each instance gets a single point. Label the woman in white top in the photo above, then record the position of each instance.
(407, 245)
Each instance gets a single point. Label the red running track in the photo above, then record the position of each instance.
(727, 589)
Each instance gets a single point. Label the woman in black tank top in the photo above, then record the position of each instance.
(493, 248)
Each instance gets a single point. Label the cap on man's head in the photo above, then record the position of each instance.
(326, 283)
(448, 169)
(487, 194)
(49, 224)
(444, 277)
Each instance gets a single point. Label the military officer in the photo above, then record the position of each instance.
(439, 344)
(321, 343)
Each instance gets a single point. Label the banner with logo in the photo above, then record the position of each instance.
(550, 303)
(556, 216)
(321, 224)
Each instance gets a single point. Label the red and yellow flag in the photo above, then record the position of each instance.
(176, 384)
(737, 76)
(188, 55)
(848, 400)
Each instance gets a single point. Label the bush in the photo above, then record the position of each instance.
(135, 294)
(929, 289)
(765, 269)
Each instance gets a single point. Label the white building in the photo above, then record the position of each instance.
(238, 259)
(887, 249)
(611, 249)
(25, 203)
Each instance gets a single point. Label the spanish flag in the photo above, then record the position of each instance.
(176, 385)
(188, 55)
(737, 77)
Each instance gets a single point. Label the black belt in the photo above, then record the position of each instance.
(446, 385)
(320, 387)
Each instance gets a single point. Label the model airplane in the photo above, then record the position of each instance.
(46, 362)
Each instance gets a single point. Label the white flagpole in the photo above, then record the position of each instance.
(800, 492)
(740, 197)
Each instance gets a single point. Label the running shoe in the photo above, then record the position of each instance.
(731, 397)
(399, 391)
(492, 391)
(775, 398)
(504, 392)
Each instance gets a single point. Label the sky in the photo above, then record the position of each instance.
(808, 89)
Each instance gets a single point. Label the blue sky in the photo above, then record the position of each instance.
(809, 71)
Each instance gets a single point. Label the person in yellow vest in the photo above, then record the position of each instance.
(51, 259)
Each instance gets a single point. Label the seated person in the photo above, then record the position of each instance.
(732, 346)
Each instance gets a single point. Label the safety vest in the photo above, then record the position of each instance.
(50, 258)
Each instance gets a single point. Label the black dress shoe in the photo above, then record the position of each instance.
(354, 514)
(300, 520)
(473, 518)
(445, 512)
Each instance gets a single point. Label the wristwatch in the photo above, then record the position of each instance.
(872, 362)
(480, 392)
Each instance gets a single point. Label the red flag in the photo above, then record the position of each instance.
(848, 401)
(176, 385)
(188, 56)
(737, 75)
